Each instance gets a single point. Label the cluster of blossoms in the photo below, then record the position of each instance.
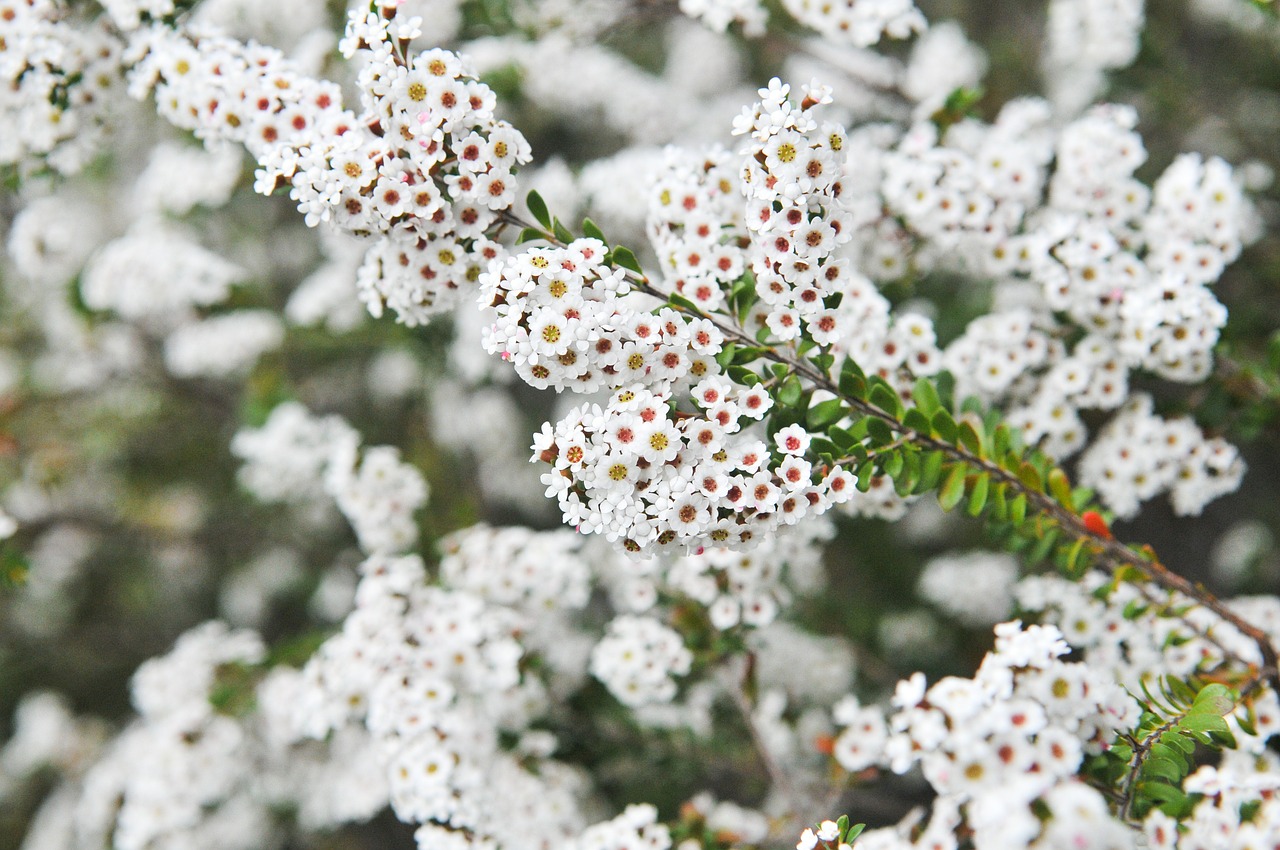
(1238, 807)
(631, 472)
(750, 587)
(695, 225)
(638, 658)
(994, 745)
(433, 675)
(434, 696)
(719, 14)
(800, 216)
(1140, 637)
(541, 572)
(861, 23)
(156, 274)
(57, 78)
(1085, 39)
(182, 772)
(295, 456)
(1139, 455)
(223, 345)
(562, 321)
(1129, 265)
(793, 179)
(426, 168)
(637, 828)
(1141, 640)
(976, 588)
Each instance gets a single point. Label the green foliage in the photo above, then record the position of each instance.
(538, 208)
(1162, 751)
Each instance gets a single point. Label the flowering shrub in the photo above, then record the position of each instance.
(434, 460)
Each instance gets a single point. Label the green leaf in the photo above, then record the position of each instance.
(842, 437)
(969, 437)
(916, 421)
(946, 384)
(1159, 768)
(624, 257)
(1030, 476)
(529, 234)
(893, 464)
(925, 396)
(1018, 509)
(14, 567)
(682, 303)
(1178, 692)
(953, 488)
(1176, 756)
(1001, 440)
(885, 398)
(999, 501)
(1180, 742)
(905, 482)
(1072, 563)
(978, 497)
(743, 375)
(879, 431)
(852, 382)
(1043, 547)
(1060, 487)
(1216, 698)
(825, 413)
(1206, 722)
(790, 391)
(865, 473)
(538, 208)
(592, 231)
(944, 426)
(930, 471)
(562, 233)
(1080, 498)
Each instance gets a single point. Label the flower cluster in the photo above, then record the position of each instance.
(1140, 454)
(976, 588)
(426, 167)
(57, 81)
(156, 274)
(997, 743)
(223, 90)
(563, 322)
(638, 659)
(433, 674)
(861, 23)
(1086, 38)
(224, 345)
(287, 459)
(1139, 636)
(296, 456)
(695, 225)
(719, 14)
(181, 768)
(793, 178)
(539, 572)
(635, 474)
